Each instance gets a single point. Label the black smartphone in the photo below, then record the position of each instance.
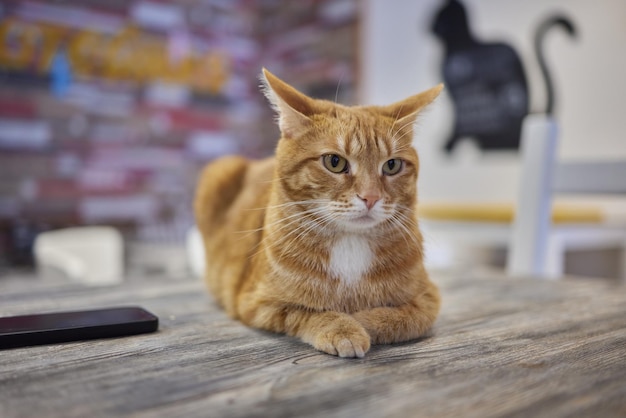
(60, 327)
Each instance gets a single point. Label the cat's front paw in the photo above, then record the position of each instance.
(343, 340)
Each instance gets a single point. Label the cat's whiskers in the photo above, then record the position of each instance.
(288, 248)
(277, 221)
(298, 202)
(338, 84)
(293, 220)
(398, 219)
(271, 180)
(319, 223)
(291, 203)
(288, 221)
(409, 225)
(407, 215)
(312, 221)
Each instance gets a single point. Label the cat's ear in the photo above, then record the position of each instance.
(294, 108)
(405, 111)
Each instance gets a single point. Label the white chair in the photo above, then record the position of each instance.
(537, 248)
(91, 255)
(536, 233)
(195, 252)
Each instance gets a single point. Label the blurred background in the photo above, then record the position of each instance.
(109, 108)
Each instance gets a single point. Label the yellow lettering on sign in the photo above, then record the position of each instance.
(28, 46)
(129, 55)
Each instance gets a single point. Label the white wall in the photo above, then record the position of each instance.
(401, 57)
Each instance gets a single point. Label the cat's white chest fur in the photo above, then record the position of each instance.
(350, 258)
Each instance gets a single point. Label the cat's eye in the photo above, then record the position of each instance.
(392, 167)
(335, 163)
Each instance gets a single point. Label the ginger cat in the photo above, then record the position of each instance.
(321, 242)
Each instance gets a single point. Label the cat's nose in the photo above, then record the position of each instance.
(369, 199)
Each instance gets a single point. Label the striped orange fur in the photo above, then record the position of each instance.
(321, 242)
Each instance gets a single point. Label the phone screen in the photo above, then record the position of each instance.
(73, 319)
(57, 327)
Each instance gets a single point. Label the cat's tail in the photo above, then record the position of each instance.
(554, 21)
(219, 185)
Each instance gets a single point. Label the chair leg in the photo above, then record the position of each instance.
(554, 267)
(530, 229)
(622, 273)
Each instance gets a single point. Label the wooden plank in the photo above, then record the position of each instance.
(500, 347)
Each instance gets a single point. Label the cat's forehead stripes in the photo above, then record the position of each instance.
(357, 144)
(390, 149)
(359, 135)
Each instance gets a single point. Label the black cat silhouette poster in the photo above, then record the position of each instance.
(486, 81)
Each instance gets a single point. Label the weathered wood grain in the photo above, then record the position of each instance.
(501, 347)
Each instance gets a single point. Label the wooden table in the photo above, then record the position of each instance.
(500, 347)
